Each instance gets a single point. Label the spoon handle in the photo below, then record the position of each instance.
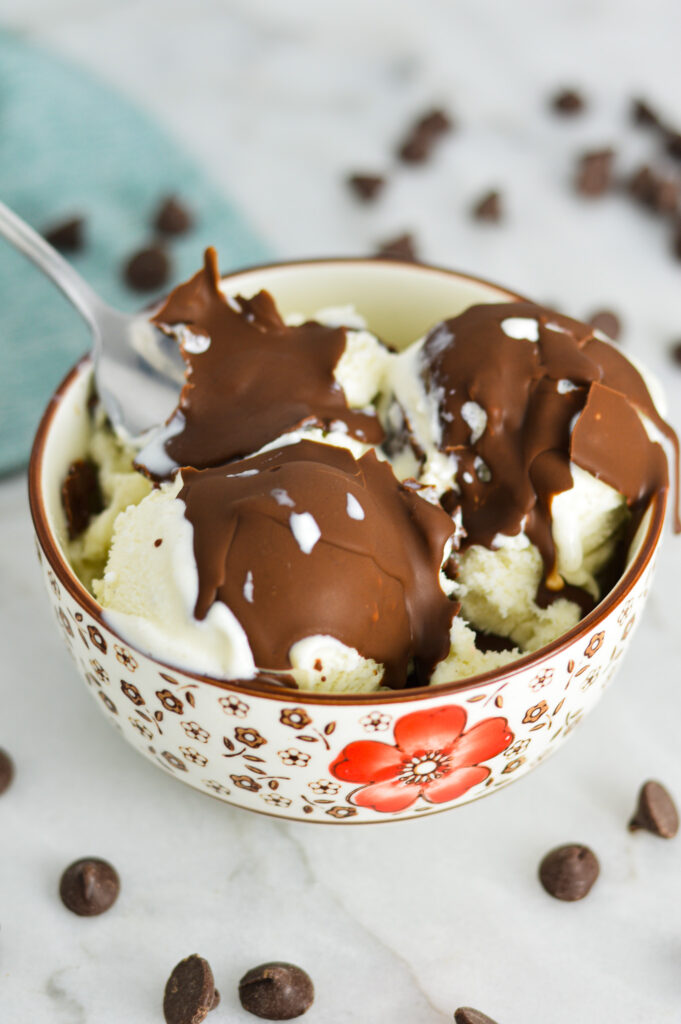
(32, 245)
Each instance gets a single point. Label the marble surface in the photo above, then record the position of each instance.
(401, 921)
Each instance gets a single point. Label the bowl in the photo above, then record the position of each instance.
(339, 759)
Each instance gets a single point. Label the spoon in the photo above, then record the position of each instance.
(139, 370)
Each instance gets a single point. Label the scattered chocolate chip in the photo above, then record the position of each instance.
(594, 172)
(158, 542)
(366, 186)
(276, 991)
(401, 248)
(6, 771)
(89, 887)
(656, 812)
(81, 496)
(642, 113)
(190, 992)
(654, 190)
(467, 1015)
(173, 217)
(568, 101)
(675, 352)
(676, 241)
(147, 269)
(568, 872)
(606, 321)
(419, 142)
(67, 236)
(673, 144)
(488, 207)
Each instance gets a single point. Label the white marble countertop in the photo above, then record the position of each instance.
(404, 922)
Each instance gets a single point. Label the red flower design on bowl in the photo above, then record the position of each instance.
(432, 758)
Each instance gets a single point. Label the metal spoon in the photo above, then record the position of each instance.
(139, 371)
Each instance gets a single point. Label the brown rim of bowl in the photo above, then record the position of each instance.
(501, 675)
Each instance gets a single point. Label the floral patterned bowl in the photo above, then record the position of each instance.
(312, 757)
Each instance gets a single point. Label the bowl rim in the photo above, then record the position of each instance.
(75, 588)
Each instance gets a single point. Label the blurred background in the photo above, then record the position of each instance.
(254, 113)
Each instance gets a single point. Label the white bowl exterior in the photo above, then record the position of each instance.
(274, 752)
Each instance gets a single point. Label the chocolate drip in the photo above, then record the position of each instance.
(565, 397)
(256, 378)
(370, 577)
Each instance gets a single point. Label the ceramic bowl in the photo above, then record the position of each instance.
(334, 759)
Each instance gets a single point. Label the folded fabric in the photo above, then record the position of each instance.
(71, 145)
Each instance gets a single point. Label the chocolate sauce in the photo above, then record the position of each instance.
(555, 396)
(253, 378)
(304, 540)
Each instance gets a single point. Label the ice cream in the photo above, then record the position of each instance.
(330, 514)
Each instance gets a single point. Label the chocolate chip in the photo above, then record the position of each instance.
(89, 887)
(656, 812)
(147, 269)
(366, 186)
(594, 172)
(606, 321)
(467, 1015)
(568, 101)
(190, 992)
(402, 247)
(488, 207)
(173, 217)
(67, 236)
(654, 190)
(673, 144)
(422, 136)
(81, 496)
(276, 991)
(642, 113)
(6, 771)
(568, 872)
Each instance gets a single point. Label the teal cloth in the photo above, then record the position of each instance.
(71, 145)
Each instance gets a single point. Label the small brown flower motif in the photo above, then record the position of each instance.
(170, 702)
(195, 732)
(294, 757)
(97, 639)
(64, 619)
(234, 706)
(100, 672)
(245, 782)
(108, 703)
(53, 584)
(132, 693)
(173, 761)
(534, 713)
(517, 748)
(216, 787)
(295, 718)
(251, 737)
(542, 679)
(595, 644)
(324, 787)
(590, 678)
(513, 765)
(125, 657)
(142, 729)
(375, 722)
(341, 812)
(628, 627)
(276, 799)
(193, 755)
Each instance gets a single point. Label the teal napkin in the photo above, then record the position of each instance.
(68, 145)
